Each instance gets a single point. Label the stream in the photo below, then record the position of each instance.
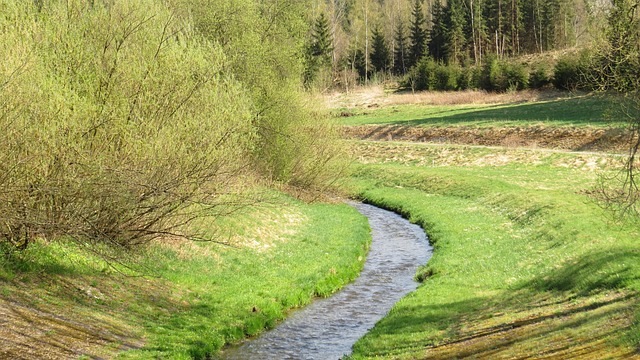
(328, 328)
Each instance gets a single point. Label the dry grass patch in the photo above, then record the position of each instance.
(434, 155)
(378, 96)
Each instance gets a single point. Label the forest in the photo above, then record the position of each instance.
(357, 40)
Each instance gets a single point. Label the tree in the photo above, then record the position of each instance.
(380, 57)
(455, 36)
(618, 69)
(478, 29)
(320, 48)
(438, 39)
(418, 36)
(400, 51)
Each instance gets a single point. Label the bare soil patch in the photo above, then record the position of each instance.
(574, 139)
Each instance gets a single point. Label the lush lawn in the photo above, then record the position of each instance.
(196, 297)
(571, 111)
(525, 261)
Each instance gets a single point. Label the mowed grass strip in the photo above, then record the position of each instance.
(192, 298)
(571, 111)
(525, 262)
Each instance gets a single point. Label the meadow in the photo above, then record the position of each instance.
(527, 261)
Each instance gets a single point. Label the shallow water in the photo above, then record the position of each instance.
(328, 328)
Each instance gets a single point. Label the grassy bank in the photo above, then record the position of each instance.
(525, 261)
(60, 301)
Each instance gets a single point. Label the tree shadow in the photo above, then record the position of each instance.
(568, 111)
(581, 308)
(611, 269)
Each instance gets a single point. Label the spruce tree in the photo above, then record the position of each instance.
(400, 51)
(438, 31)
(455, 35)
(321, 45)
(379, 56)
(319, 49)
(418, 34)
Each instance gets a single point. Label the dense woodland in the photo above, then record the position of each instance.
(369, 37)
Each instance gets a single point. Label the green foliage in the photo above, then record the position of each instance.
(540, 77)
(400, 56)
(417, 35)
(319, 49)
(380, 57)
(570, 73)
(437, 38)
(119, 121)
(111, 144)
(517, 76)
(494, 76)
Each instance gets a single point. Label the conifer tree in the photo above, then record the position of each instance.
(438, 30)
(418, 35)
(455, 36)
(319, 50)
(400, 51)
(321, 46)
(380, 56)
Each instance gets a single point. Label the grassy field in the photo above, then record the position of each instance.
(560, 110)
(525, 261)
(190, 299)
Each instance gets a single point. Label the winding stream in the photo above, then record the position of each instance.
(328, 328)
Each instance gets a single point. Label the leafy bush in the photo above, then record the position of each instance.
(447, 77)
(123, 121)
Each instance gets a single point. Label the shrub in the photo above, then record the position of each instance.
(516, 76)
(447, 77)
(121, 121)
(540, 76)
(570, 72)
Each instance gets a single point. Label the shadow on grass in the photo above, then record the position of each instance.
(612, 269)
(574, 111)
(582, 308)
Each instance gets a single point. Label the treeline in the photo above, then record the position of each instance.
(374, 38)
(122, 121)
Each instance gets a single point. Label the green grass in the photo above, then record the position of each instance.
(248, 290)
(525, 262)
(576, 111)
(197, 297)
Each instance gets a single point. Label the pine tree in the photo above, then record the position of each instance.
(418, 36)
(319, 49)
(400, 51)
(380, 57)
(321, 46)
(438, 31)
(455, 35)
